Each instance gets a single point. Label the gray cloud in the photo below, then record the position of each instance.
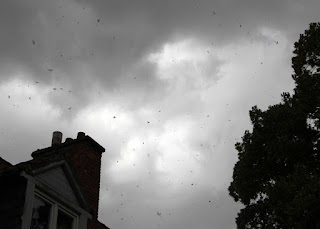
(76, 45)
(205, 209)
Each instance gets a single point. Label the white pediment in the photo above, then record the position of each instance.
(59, 178)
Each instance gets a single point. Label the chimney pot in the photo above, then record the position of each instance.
(81, 135)
(56, 138)
(68, 140)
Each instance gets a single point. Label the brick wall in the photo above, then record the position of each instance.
(86, 163)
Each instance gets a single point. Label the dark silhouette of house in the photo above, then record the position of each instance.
(57, 189)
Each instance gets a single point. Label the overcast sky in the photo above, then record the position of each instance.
(165, 86)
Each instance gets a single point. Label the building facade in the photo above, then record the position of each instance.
(57, 189)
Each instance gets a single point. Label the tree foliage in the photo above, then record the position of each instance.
(277, 177)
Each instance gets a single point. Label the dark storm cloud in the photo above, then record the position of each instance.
(222, 21)
(66, 45)
(118, 33)
(78, 45)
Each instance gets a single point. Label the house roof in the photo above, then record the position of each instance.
(69, 141)
(6, 167)
(4, 163)
(43, 158)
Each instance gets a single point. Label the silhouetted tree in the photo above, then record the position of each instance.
(277, 177)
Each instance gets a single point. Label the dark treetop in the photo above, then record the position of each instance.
(277, 177)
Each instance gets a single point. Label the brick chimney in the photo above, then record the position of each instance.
(86, 161)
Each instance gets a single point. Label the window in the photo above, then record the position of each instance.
(64, 221)
(40, 214)
(48, 214)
